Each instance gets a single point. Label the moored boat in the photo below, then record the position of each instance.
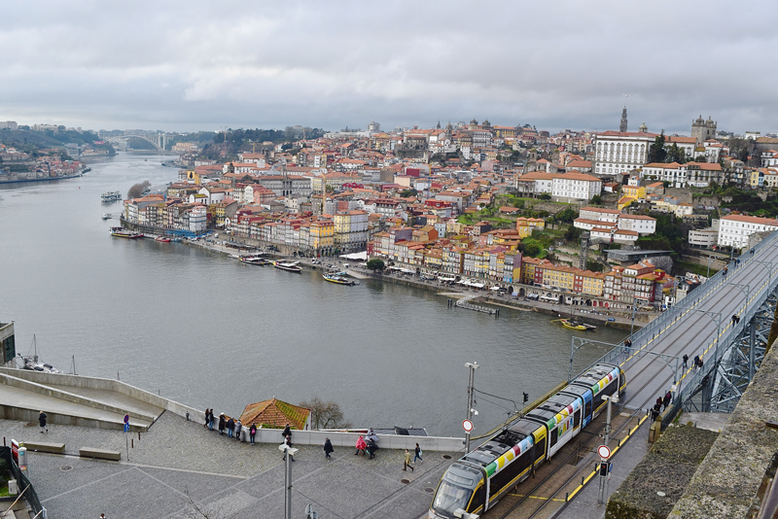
(121, 232)
(572, 325)
(289, 266)
(339, 278)
(256, 259)
(33, 362)
(163, 239)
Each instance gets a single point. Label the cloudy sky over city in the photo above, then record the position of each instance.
(206, 65)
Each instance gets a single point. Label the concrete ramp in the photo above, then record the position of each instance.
(84, 401)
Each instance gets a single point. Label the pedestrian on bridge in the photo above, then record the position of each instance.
(667, 399)
(658, 403)
(726, 269)
(627, 346)
(698, 362)
(685, 362)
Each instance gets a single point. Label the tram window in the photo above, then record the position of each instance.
(577, 419)
(552, 442)
(478, 498)
(503, 478)
(588, 408)
(540, 448)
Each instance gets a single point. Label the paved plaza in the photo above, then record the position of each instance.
(179, 469)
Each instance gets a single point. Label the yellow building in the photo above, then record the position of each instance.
(525, 226)
(592, 283)
(322, 234)
(636, 192)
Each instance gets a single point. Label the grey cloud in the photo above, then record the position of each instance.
(200, 65)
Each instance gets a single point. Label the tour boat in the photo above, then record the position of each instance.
(121, 232)
(111, 196)
(256, 259)
(107, 216)
(339, 278)
(289, 266)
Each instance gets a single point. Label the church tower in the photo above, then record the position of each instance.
(623, 124)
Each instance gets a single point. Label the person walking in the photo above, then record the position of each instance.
(287, 431)
(696, 362)
(658, 402)
(211, 419)
(328, 448)
(417, 453)
(407, 460)
(238, 428)
(685, 362)
(627, 346)
(222, 422)
(252, 433)
(42, 421)
(206, 418)
(371, 448)
(230, 428)
(361, 446)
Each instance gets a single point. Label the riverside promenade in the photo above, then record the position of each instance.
(178, 467)
(171, 467)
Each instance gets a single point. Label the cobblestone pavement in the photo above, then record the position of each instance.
(179, 467)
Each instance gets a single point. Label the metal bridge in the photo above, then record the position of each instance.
(726, 322)
(158, 140)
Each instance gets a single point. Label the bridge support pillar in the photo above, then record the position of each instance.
(752, 351)
(707, 391)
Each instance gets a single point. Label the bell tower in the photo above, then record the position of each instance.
(623, 124)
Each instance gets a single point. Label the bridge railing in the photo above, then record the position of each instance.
(687, 386)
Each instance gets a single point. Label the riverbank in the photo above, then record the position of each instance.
(612, 317)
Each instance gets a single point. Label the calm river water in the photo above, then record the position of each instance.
(207, 331)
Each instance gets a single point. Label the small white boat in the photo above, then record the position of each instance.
(32, 362)
(289, 266)
(107, 216)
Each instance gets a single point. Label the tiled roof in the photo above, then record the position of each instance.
(275, 413)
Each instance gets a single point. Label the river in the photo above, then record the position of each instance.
(208, 331)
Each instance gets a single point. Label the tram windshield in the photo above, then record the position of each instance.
(449, 498)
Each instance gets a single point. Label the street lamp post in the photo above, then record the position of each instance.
(710, 259)
(473, 366)
(289, 453)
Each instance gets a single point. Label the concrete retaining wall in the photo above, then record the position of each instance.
(349, 440)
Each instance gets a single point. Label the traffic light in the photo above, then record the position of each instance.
(526, 397)
(603, 469)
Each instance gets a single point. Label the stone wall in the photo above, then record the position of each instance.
(727, 481)
(666, 469)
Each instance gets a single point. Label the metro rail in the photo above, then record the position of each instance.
(481, 477)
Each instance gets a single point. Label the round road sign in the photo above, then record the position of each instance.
(126, 418)
(604, 452)
(467, 425)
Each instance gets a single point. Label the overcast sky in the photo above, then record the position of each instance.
(204, 65)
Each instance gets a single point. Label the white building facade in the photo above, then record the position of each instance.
(620, 152)
(734, 230)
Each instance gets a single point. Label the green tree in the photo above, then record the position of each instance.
(676, 154)
(567, 215)
(596, 200)
(376, 264)
(657, 152)
(545, 196)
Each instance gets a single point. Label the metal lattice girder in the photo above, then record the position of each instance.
(738, 363)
